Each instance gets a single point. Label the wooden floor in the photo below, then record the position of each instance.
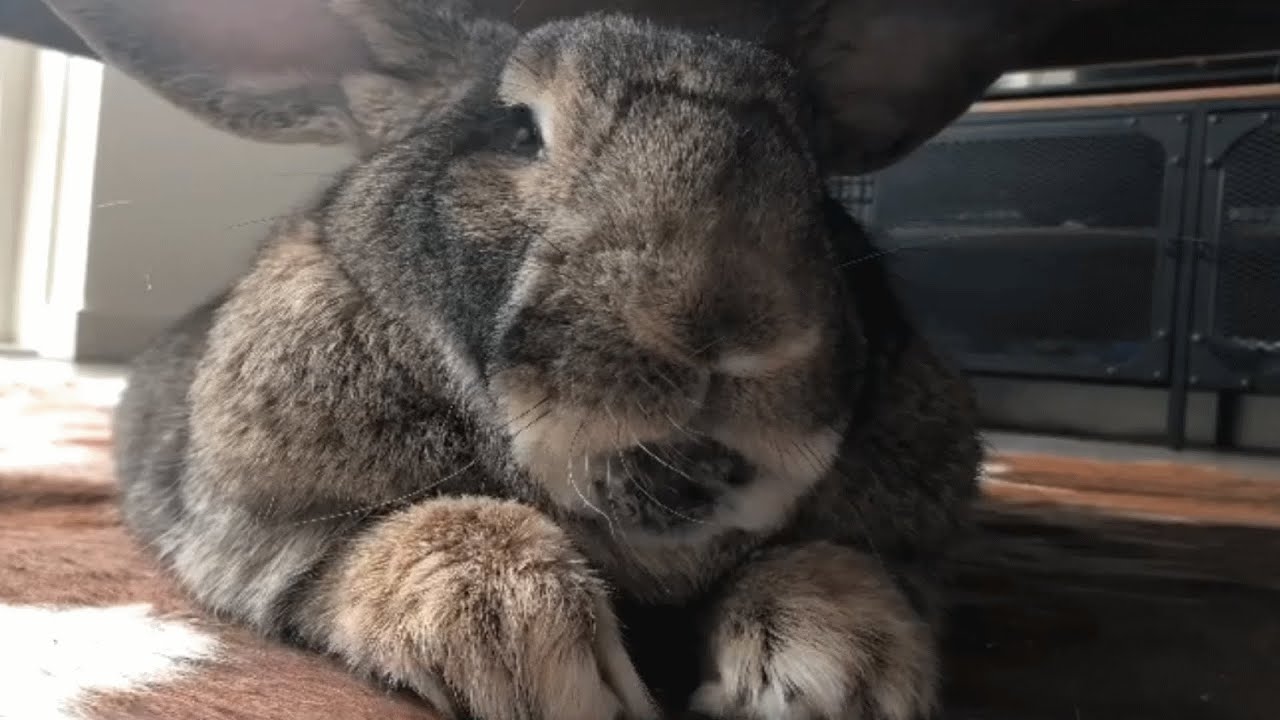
(1118, 591)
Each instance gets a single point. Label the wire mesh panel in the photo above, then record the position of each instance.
(1248, 304)
(1035, 247)
(1240, 304)
(855, 193)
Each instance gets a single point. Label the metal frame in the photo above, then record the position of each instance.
(1198, 362)
(1208, 364)
(1215, 364)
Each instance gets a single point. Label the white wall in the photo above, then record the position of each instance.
(177, 210)
(16, 61)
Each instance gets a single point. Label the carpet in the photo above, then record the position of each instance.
(1094, 591)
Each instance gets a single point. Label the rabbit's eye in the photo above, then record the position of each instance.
(522, 137)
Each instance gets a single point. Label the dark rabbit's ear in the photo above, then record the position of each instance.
(318, 71)
(889, 74)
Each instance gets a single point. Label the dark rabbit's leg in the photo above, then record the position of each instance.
(817, 632)
(484, 608)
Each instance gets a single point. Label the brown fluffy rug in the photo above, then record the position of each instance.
(1096, 591)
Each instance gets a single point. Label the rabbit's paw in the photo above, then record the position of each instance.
(485, 609)
(817, 632)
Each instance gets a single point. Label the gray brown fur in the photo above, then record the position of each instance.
(485, 407)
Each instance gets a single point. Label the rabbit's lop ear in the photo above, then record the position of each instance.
(890, 74)
(319, 71)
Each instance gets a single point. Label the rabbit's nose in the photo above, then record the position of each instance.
(727, 344)
(788, 350)
(740, 318)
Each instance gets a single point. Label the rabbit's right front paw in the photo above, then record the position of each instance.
(486, 610)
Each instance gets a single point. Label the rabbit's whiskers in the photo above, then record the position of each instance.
(675, 387)
(526, 413)
(674, 448)
(392, 501)
(586, 470)
(681, 428)
(868, 257)
(258, 221)
(639, 484)
(541, 416)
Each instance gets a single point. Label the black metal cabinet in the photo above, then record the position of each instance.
(1137, 245)
(1035, 244)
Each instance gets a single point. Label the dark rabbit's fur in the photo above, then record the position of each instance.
(579, 351)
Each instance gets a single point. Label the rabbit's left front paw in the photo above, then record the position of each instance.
(817, 632)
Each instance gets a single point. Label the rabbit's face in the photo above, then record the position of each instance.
(666, 347)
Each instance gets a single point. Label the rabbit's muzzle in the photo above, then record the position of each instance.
(659, 409)
(664, 487)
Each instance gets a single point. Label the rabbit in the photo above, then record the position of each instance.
(577, 396)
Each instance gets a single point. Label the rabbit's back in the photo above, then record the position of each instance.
(151, 423)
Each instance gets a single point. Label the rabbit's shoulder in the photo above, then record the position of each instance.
(310, 400)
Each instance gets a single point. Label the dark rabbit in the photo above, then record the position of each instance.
(575, 396)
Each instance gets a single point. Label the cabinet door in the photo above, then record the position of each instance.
(1236, 318)
(1037, 245)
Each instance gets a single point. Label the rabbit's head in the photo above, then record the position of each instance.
(670, 313)
(617, 231)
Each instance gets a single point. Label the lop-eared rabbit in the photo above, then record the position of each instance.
(577, 396)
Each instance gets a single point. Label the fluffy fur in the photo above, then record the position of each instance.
(578, 349)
